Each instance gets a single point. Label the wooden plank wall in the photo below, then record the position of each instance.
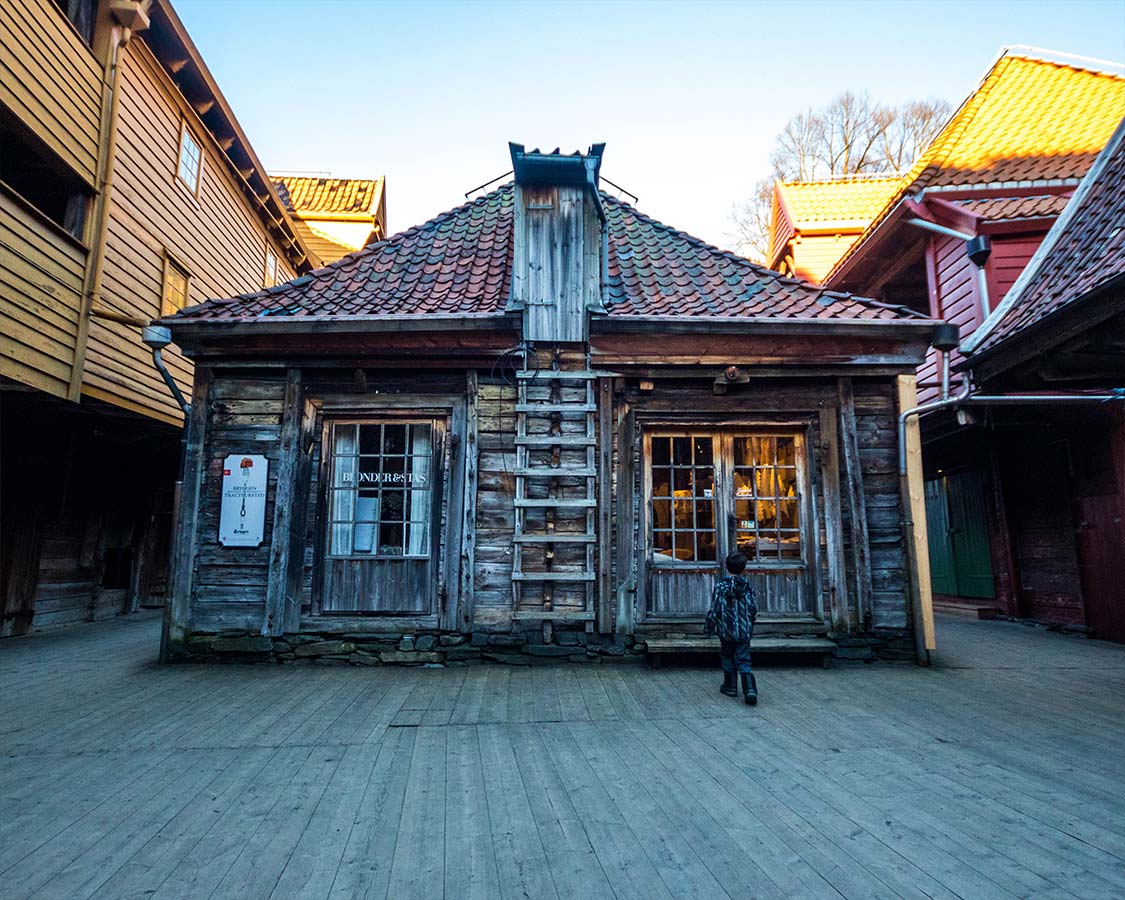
(217, 237)
(41, 271)
(51, 80)
(495, 516)
(229, 583)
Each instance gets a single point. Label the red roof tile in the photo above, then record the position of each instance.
(1083, 251)
(460, 263)
(1010, 209)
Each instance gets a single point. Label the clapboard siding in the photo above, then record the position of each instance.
(217, 237)
(815, 255)
(495, 521)
(1010, 256)
(50, 79)
(958, 301)
(40, 296)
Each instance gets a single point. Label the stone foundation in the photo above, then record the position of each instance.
(437, 649)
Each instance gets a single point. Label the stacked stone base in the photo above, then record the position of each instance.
(437, 649)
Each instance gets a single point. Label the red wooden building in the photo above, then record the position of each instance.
(951, 241)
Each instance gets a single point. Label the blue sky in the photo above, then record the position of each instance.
(687, 96)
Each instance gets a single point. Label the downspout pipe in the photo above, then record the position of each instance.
(978, 249)
(156, 338)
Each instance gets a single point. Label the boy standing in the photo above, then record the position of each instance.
(732, 615)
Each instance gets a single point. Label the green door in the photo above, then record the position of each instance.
(956, 517)
(942, 575)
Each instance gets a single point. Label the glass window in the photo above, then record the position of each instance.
(381, 503)
(683, 499)
(176, 282)
(81, 15)
(766, 506)
(271, 268)
(191, 160)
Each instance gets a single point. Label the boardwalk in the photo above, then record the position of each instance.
(996, 774)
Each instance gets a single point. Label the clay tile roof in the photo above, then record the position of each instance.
(1010, 209)
(855, 199)
(1030, 119)
(1084, 250)
(307, 195)
(460, 263)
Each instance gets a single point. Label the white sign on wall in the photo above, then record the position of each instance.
(242, 519)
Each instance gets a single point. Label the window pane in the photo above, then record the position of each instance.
(662, 514)
(681, 451)
(661, 451)
(786, 452)
(385, 506)
(662, 482)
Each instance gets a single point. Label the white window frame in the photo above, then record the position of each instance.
(186, 135)
(270, 278)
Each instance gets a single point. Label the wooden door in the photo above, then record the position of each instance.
(709, 493)
(968, 531)
(942, 575)
(384, 515)
(1101, 556)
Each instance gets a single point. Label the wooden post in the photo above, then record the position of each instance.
(177, 613)
(626, 551)
(833, 523)
(273, 622)
(857, 504)
(466, 586)
(605, 611)
(912, 488)
(299, 523)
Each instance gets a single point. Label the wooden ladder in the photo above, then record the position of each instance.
(556, 484)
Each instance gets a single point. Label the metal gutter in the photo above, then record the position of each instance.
(764, 324)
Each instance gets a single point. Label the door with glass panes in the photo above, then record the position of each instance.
(708, 493)
(383, 515)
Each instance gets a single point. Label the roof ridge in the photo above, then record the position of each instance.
(853, 178)
(1020, 51)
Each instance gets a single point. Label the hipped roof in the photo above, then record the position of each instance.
(460, 263)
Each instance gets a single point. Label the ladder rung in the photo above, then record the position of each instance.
(556, 538)
(573, 614)
(569, 502)
(553, 576)
(551, 373)
(554, 440)
(548, 472)
(556, 408)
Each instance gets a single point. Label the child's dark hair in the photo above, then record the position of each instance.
(736, 564)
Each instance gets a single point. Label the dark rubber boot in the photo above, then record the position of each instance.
(749, 688)
(728, 687)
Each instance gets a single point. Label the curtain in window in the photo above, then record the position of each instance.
(345, 465)
(419, 513)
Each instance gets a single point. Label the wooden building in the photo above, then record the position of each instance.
(127, 191)
(536, 425)
(335, 216)
(1062, 327)
(814, 223)
(951, 241)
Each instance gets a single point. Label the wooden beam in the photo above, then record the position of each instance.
(833, 523)
(624, 519)
(605, 597)
(285, 494)
(177, 612)
(466, 588)
(857, 504)
(912, 489)
(299, 526)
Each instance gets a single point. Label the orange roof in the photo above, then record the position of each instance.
(309, 195)
(1030, 120)
(855, 199)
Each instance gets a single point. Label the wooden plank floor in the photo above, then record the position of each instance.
(998, 773)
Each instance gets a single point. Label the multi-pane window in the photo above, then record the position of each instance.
(683, 498)
(766, 505)
(271, 268)
(191, 160)
(176, 282)
(381, 503)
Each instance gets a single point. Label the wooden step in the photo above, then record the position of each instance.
(560, 472)
(967, 609)
(556, 538)
(558, 503)
(573, 615)
(808, 645)
(553, 576)
(577, 375)
(554, 440)
(547, 408)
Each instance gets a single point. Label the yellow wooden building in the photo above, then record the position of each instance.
(128, 190)
(335, 216)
